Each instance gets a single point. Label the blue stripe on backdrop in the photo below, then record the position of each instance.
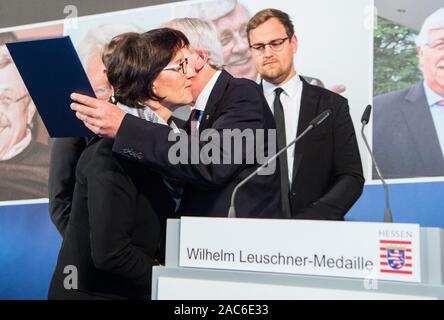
(421, 203)
(29, 245)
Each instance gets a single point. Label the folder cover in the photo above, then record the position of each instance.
(51, 71)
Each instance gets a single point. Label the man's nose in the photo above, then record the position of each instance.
(190, 73)
(240, 43)
(268, 52)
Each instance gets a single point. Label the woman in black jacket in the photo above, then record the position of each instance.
(118, 209)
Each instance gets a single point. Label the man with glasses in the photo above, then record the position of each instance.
(23, 161)
(408, 132)
(231, 18)
(322, 175)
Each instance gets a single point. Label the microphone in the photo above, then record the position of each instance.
(366, 115)
(388, 217)
(313, 124)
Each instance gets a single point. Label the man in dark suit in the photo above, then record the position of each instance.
(221, 103)
(408, 127)
(405, 140)
(322, 175)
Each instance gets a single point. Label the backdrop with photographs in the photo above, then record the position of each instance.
(24, 143)
(341, 47)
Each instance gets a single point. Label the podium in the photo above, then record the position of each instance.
(181, 279)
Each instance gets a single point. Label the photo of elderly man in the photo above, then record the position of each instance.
(408, 133)
(23, 160)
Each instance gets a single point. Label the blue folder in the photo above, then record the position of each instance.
(51, 71)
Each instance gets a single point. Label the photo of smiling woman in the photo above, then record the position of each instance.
(115, 225)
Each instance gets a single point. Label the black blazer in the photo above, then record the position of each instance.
(65, 154)
(327, 170)
(405, 140)
(113, 229)
(233, 104)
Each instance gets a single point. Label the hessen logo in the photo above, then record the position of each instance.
(396, 256)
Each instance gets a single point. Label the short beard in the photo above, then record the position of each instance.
(278, 79)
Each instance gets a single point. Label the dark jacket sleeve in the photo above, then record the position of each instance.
(112, 199)
(149, 144)
(65, 154)
(348, 179)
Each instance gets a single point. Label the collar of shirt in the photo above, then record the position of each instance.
(172, 124)
(432, 97)
(147, 114)
(291, 87)
(202, 100)
(19, 147)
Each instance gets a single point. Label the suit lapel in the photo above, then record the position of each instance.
(216, 95)
(181, 124)
(309, 107)
(419, 119)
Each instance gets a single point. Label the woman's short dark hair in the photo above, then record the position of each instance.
(134, 60)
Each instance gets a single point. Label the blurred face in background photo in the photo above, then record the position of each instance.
(273, 51)
(96, 71)
(431, 59)
(16, 107)
(233, 37)
(90, 50)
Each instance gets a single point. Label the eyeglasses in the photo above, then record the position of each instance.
(275, 45)
(438, 45)
(181, 67)
(6, 101)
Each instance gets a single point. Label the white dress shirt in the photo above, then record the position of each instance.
(147, 114)
(291, 103)
(437, 112)
(202, 100)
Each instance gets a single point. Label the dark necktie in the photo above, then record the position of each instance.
(281, 143)
(194, 119)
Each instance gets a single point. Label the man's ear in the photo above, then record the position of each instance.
(154, 87)
(31, 112)
(420, 55)
(294, 43)
(202, 59)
